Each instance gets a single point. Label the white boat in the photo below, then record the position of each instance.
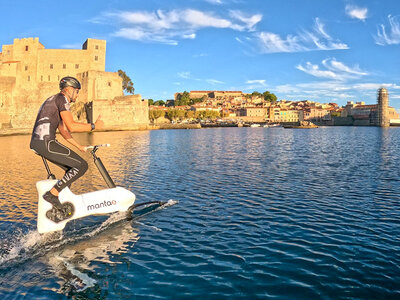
(255, 125)
(272, 125)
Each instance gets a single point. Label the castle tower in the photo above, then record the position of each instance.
(383, 108)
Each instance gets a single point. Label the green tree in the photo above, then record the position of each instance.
(151, 102)
(127, 84)
(183, 99)
(180, 114)
(207, 115)
(171, 114)
(151, 115)
(159, 103)
(256, 94)
(154, 114)
(189, 114)
(270, 97)
(197, 100)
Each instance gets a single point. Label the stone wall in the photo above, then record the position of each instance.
(99, 85)
(6, 88)
(126, 112)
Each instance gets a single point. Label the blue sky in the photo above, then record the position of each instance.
(321, 50)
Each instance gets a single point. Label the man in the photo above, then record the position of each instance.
(55, 113)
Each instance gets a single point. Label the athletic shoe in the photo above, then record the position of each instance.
(53, 200)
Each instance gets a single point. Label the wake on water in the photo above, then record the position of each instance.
(26, 246)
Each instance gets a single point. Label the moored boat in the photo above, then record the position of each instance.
(302, 125)
(272, 125)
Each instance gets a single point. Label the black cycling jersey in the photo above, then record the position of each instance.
(49, 117)
(44, 142)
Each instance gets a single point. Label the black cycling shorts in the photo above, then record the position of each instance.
(74, 165)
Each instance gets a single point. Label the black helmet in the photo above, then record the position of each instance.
(69, 81)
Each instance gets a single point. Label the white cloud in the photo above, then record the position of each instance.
(200, 55)
(249, 21)
(339, 84)
(340, 67)
(185, 75)
(314, 70)
(272, 43)
(189, 36)
(214, 81)
(375, 86)
(333, 69)
(392, 37)
(170, 26)
(188, 76)
(334, 90)
(317, 39)
(199, 19)
(356, 12)
(218, 2)
(258, 81)
(239, 40)
(254, 84)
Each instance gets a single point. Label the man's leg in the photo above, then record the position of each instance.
(74, 165)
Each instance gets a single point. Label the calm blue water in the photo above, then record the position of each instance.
(260, 213)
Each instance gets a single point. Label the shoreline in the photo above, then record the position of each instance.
(28, 131)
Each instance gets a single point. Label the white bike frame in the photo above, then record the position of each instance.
(99, 202)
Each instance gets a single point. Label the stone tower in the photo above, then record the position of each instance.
(383, 108)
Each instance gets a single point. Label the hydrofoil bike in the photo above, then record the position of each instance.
(106, 201)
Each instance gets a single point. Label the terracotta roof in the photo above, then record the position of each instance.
(11, 61)
(366, 106)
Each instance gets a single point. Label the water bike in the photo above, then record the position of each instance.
(106, 201)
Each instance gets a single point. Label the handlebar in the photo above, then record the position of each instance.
(97, 146)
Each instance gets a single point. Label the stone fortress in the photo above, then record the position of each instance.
(29, 74)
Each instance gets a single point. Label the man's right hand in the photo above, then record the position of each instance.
(99, 124)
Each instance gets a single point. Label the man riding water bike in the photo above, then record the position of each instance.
(55, 113)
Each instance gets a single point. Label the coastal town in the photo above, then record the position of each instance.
(236, 107)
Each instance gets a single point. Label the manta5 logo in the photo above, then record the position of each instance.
(101, 204)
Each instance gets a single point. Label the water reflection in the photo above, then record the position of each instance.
(75, 264)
